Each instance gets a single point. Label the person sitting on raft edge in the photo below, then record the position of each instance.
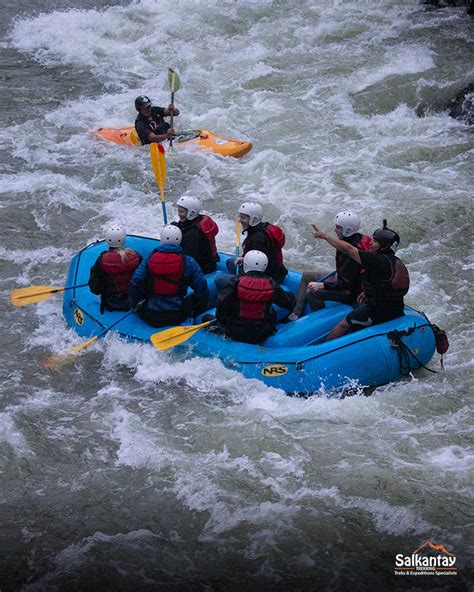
(199, 233)
(385, 281)
(163, 280)
(111, 273)
(345, 287)
(244, 305)
(150, 124)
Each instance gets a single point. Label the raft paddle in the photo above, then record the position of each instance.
(158, 162)
(57, 360)
(176, 335)
(173, 81)
(34, 294)
(238, 233)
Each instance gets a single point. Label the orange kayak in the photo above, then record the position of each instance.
(201, 139)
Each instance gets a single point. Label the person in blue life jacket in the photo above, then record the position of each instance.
(346, 285)
(261, 236)
(199, 233)
(385, 280)
(163, 279)
(111, 273)
(150, 124)
(244, 305)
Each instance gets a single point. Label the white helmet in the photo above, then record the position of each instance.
(115, 235)
(253, 210)
(193, 206)
(171, 234)
(348, 221)
(255, 261)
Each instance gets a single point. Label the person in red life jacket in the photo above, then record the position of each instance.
(346, 285)
(150, 124)
(163, 280)
(199, 233)
(244, 305)
(385, 281)
(111, 273)
(261, 236)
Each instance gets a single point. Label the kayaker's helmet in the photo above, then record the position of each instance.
(115, 236)
(142, 102)
(255, 261)
(171, 234)
(386, 237)
(253, 210)
(193, 206)
(349, 222)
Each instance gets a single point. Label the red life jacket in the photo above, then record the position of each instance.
(210, 229)
(119, 272)
(277, 237)
(364, 243)
(254, 294)
(167, 273)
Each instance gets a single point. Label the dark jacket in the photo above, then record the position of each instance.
(156, 124)
(348, 278)
(196, 245)
(258, 240)
(382, 299)
(230, 311)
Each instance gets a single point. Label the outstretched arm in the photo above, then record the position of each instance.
(338, 244)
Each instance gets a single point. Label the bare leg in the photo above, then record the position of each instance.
(306, 277)
(339, 330)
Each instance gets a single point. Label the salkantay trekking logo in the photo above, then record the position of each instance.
(427, 560)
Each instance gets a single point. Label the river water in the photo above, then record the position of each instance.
(140, 470)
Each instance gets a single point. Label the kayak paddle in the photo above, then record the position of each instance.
(176, 335)
(57, 360)
(158, 162)
(173, 81)
(34, 294)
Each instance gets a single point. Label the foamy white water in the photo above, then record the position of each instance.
(135, 469)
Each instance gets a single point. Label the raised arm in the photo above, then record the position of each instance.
(338, 244)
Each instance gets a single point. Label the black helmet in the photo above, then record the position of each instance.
(385, 236)
(141, 102)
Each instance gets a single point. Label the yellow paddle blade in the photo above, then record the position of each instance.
(32, 294)
(176, 335)
(158, 162)
(238, 233)
(173, 80)
(58, 360)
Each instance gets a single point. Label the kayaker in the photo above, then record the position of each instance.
(385, 280)
(244, 305)
(163, 279)
(150, 124)
(111, 273)
(199, 233)
(346, 285)
(261, 236)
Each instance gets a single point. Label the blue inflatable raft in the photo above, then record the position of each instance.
(296, 359)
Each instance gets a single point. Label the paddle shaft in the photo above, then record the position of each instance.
(52, 291)
(107, 329)
(171, 118)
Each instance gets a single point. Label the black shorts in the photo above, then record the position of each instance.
(359, 318)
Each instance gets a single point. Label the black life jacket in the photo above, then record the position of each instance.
(349, 271)
(167, 273)
(392, 290)
(119, 272)
(254, 295)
